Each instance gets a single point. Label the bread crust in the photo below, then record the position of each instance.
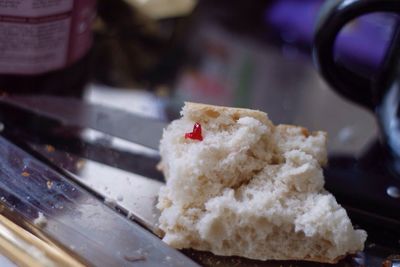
(233, 112)
(206, 107)
(260, 115)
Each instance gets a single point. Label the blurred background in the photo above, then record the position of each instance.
(148, 56)
(234, 53)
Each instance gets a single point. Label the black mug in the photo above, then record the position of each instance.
(379, 93)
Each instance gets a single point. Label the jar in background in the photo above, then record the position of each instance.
(44, 46)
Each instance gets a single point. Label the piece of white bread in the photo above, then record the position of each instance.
(250, 189)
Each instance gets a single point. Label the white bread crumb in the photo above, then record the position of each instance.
(41, 220)
(250, 189)
(111, 202)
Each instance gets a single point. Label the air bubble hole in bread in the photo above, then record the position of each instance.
(250, 189)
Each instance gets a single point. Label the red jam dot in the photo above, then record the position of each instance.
(196, 133)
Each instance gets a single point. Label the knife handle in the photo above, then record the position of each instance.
(27, 250)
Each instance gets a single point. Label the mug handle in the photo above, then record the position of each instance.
(332, 19)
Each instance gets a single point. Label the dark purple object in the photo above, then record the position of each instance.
(363, 44)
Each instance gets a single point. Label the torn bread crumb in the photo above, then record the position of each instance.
(250, 188)
(41, 220)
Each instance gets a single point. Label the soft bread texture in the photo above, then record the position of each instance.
(250, 189)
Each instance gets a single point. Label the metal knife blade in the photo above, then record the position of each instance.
(76, 218)
(74, 112)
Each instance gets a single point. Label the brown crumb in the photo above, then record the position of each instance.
(212, 113)
(80, 164)
(49, 184)
(305, 132)
(25, 174)
(50, 148)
